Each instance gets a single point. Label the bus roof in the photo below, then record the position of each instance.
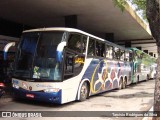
(72, 30)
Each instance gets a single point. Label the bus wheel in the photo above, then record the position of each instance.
(124, 84)
(137, 80)
(147, 78)
(120, 84)
(84, 91)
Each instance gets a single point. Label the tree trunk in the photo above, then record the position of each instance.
(157, 89)
(153, 16)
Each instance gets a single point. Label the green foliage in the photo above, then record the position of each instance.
(140, 6)
(120, 4)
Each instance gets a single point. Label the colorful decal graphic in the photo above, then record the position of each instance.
(102, 76)
(105, 75)
(24, 85)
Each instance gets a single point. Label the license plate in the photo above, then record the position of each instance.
(30, 95)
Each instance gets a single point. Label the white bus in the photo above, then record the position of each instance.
(60, 65)
(144, 66)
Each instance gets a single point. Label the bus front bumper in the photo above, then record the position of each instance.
(52, 97)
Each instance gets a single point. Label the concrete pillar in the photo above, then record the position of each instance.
(151, 53)
(146, 51)
(71, 21)
(109, 37)
(140, 48)
(128, 44)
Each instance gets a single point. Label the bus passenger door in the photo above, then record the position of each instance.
(73, 65)
(68, 65)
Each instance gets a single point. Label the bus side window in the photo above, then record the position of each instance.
(84, 42)
(74, 42)
(74, 55)
(103, 54)
(91, 47)
(116, 53)
(109, 52)
(100, 49)
(121, 55)
(130, 56)
(126, 56)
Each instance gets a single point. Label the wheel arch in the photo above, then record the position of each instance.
(80, 85)
(120, 83)
(121, 78)
(126, 79)
(137, 78)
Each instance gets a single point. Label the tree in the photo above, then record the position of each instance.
(151, 11)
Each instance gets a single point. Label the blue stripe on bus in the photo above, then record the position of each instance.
(39, 96)
(4, 55)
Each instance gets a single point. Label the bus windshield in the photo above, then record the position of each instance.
(38, 57)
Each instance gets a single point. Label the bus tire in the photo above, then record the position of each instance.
(84, 91)
(147, 78)
(125, 83)
(120, 84)
(137, 79)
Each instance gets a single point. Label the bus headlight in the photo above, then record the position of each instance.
(15, 86)
(49, 90)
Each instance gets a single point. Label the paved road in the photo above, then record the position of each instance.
(134, 98)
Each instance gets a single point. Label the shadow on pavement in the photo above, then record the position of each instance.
(127, 96)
